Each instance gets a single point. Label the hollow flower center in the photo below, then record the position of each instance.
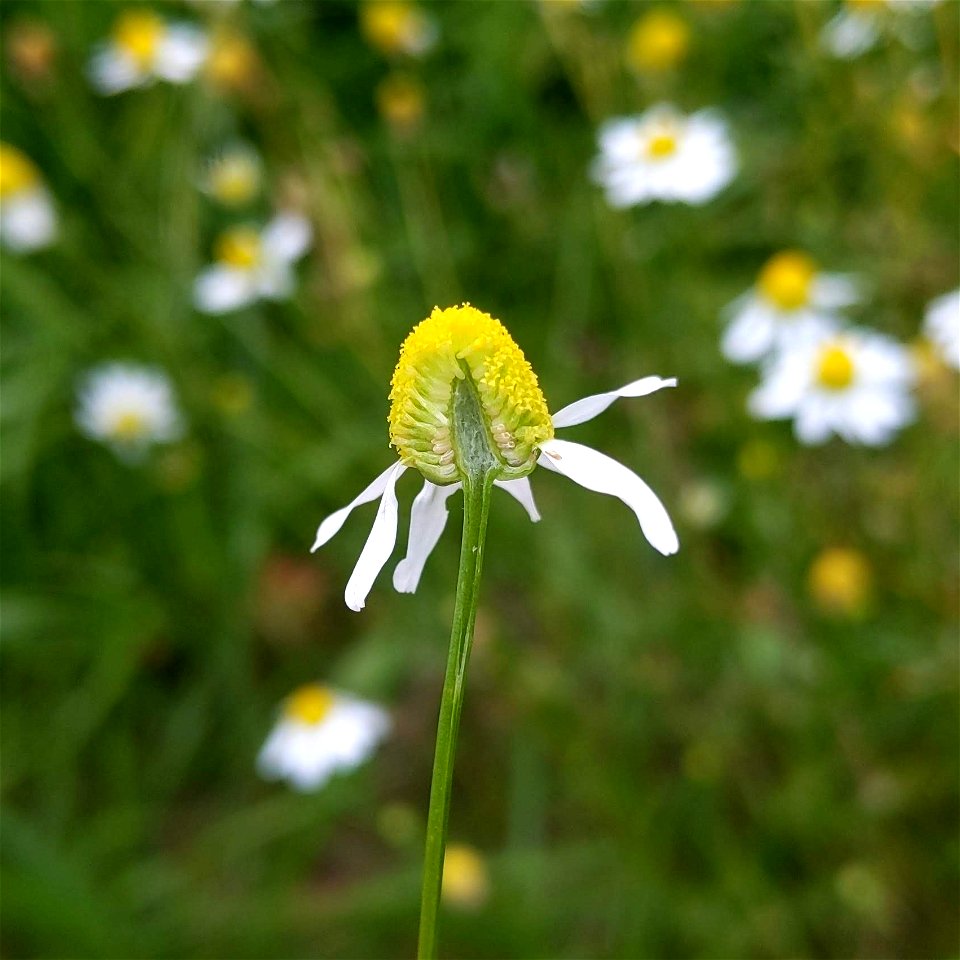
(309, 704)
(661, 145)
(138, 34)
(129, 426)
(17, 173)
(462, 346)
(239, 248)
(835, 367)
(786, 280)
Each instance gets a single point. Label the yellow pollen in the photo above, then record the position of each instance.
(309, 704)
(661, 145)
(138, 33)
(392, 26)
(17, 172)
(835, 367)
(786, 279)
(129, 426)
(239, 247)
(658, 42)
(448, 346)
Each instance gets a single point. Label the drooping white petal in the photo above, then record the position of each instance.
(287, 237)
(219, 289)
(332, 524)
(602, 474)
(376, 551)
(589, 407)
(522, 492)
(428, 517)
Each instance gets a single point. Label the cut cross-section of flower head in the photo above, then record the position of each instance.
(319, 733)
(253, 264)
(789, 295)
(664, 155)
(854, 383)
(144, 47)
(28, 220)
(462, 348)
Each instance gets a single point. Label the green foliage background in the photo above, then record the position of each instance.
(660, 757)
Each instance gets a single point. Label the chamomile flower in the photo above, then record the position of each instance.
(232, 178)
(252, 264)
(319, 733)
(143, 48)
(664, 155)
(128, 407)
(28, 220)
(859, 24)
(854, 383)
(397, 27)
(790, 293)
(941, 326)
(462, 363)
(658, 42)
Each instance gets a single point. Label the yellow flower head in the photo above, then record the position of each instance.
(400, 100)
(238, 247)
(17, 172)
(309, 704)
(466, 882)
(835, 367)
(658, 42)
(395, 26)
(462, 348)
(233, 64)
(840, 581)
(786, 279)
(138, 34)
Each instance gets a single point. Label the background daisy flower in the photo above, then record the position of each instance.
(941, 326)
(397, 27)
(854, 383)
(658, 42)
(128, 407)
(859, 24)
(320, 732)
(143, 48)
(233, 177)
(789, 294)
(252, 264)
(28, 220)
(664, 155)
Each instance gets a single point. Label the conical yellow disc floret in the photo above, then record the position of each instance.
(448, 347)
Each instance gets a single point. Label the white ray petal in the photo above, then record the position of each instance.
(332, 524)
(428, 517)
(522, 492)
(219, 289)
(586, 409)
(602, 474)
(287, 237)
(376, 551)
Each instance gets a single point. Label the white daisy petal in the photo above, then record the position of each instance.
(522, 492)
(850, 33)
(112, 71)
(428, 517)
(834, 291)
(580, 411)
(287, 237)
(332, 524)
(376, 551)
(219, 289)
(180, 53)
(28, 220)
(602, 474)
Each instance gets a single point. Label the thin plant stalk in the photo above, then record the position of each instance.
(477, 487)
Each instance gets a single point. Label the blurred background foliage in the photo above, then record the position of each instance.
(729, 753)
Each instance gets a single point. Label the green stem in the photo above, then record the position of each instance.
(477, 488)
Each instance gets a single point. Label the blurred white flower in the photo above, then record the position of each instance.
(860, 24)
(397, 27)
(28, 220)
(253, 264)
(127, 407)
(233, 176)
(790, 293)
(319, 733)
(664, 155)
(941, 326)
(142, 48)
(854, 383)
